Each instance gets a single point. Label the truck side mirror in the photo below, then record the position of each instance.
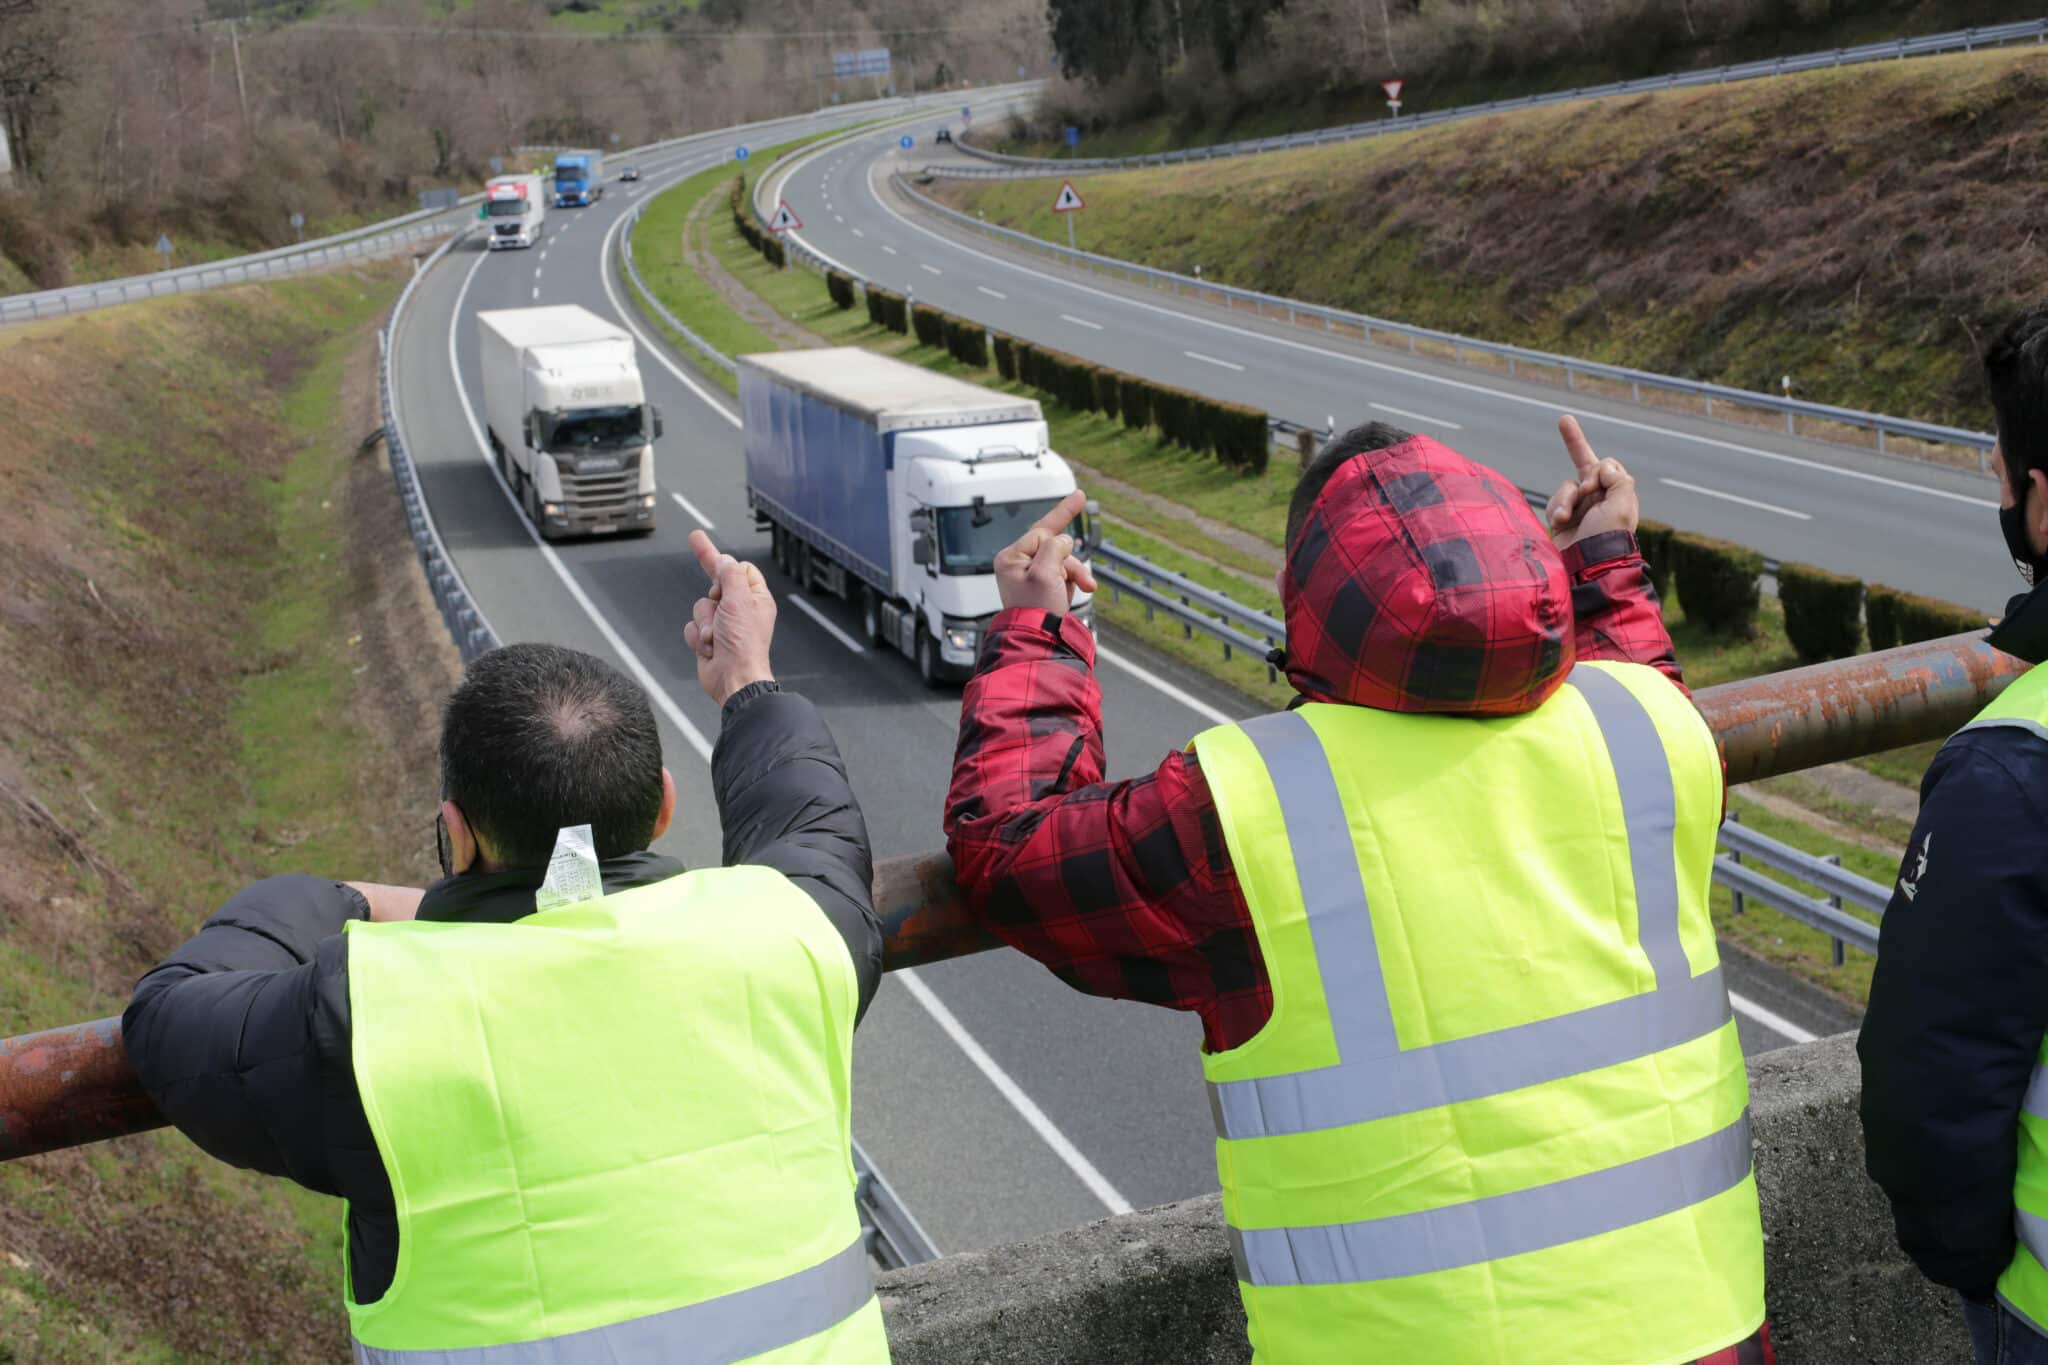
(921, 549)
(532, 431)
(657, 422)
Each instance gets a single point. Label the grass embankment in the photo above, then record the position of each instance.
(1161, 474)
(1861, 230)
(215, 664)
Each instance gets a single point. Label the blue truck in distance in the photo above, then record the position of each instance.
(579, 179)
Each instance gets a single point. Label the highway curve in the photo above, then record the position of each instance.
(1000, 1104)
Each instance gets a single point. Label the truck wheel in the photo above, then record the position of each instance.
(532, 504)
(927, 658)
(800, 565)
(870, 616)
(505, 467)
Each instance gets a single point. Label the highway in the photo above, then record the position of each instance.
(1881, 518)
(1000, 1104)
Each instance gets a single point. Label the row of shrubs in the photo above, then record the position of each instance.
(1826, 614)
(767, 243)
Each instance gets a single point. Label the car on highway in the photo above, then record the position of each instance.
(944, 135)
(630, 173)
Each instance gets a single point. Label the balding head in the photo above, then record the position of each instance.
(538, 738)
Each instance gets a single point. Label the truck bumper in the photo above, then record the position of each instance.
(558, 521)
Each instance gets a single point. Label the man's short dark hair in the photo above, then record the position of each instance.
(1357, 441)
(2016, 369)
(538, 738)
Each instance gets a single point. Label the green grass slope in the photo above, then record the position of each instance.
(1859, 229)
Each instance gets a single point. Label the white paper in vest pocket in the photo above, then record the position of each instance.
(572, 877)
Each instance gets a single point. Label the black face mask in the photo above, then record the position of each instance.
(2013, 522)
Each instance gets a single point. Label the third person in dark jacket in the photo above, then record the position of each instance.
(1955, 1110)
(584, 1104)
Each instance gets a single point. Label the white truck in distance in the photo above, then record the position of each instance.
(515, 206)
(568, 419)
(886, 483)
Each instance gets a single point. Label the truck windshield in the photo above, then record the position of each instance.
(965, 548)
(506, 208)
(619, 428)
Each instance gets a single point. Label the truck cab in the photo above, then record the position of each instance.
(514, 208)
(579, 179)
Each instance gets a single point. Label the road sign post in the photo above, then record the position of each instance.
(299, 225)
(1068, 204)
(163, 247)
(1393, 90)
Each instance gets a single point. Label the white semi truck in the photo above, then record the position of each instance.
(887, 484)
(568, 419)
(515, 206)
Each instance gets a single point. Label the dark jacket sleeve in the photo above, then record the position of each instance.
(225, 1034)
(1958, 1007)
(784, 802)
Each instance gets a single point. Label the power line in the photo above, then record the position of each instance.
(665, 36)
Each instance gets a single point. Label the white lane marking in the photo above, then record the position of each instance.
(1212, 360)
(1776, 1023)
(536, 292)
(796, 600)
(993, 293)
(1081, 322)
(890, 249)
(1731, 497)
(858, 233)
(1046, 1129)
(640, 672)
(1416, 416)
(536, 274)
(684, 503)
(932, 268)
(543, 253)
(1555, 409)
(838, 217)
(1146, 675)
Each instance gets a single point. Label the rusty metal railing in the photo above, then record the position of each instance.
(73, 1085)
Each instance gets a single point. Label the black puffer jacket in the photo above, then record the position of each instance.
(242, 1035)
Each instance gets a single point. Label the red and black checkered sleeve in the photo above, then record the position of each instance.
(1122, 889)
(1616, 606)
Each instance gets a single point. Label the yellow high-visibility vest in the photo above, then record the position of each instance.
(1499, 1112)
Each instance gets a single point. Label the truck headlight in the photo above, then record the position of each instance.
(647, 500)
(963, 637)
(551, 509)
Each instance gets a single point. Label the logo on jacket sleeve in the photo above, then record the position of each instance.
(1911, 885)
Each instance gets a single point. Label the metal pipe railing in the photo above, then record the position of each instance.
(70, 1086)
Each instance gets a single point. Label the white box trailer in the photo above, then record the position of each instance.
(885, 482)
(515, 207)
(568, 419)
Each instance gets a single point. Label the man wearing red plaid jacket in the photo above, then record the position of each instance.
(1478, 1091)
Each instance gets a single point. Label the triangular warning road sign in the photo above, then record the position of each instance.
(1069, 199)
(1393, 88)
(784, 220)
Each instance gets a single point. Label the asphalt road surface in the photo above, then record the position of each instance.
(1000, 1104)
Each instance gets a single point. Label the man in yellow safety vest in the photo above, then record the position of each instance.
(1477, 1088)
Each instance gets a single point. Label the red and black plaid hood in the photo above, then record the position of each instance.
(1421, 581)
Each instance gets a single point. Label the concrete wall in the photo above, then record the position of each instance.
(1158, 1286)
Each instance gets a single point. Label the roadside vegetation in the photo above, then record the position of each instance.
(1222, 528)
(1860, 230)
(1150, 75)
(217, 662)
(213, 121)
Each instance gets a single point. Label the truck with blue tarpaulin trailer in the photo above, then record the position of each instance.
(887, 484)
(579, 179)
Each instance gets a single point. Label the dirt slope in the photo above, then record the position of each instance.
(1860, 230)
(216, 662)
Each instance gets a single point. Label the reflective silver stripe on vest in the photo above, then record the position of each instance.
(2032, 727)
(1501, 1225)
(2036, 1101)
(731, 1327)
(1376, 1079)
(2032, 1230)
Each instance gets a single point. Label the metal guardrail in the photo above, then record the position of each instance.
(465, 620)
(660, 309)
(1959, 40)
(1294, 311)
(891, 1232)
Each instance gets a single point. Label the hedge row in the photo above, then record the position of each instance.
(767, 243)
(1719, 584)
(1825, 613)
(888, 310)
(840, 287)
(967, 342)
(1904, 618)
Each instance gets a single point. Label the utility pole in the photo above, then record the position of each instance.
(241, 89)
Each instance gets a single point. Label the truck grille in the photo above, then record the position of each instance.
(602, 494)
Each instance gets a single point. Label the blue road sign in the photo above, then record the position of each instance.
(741, 154)
(966, 114)
(906, 142)
(1073, 136)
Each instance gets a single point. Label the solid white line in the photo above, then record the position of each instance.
(1554, 409)
(1081, 322)
(992, 293)
(890, 249)
(640, 671)
(1046, 1129)
(684, 503)
(659, 352)
(932, 268)
(1212, 360)
(1146, 675)
(1731, 497)
(1416, 416)
(796, 600)
(1776, 1023)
